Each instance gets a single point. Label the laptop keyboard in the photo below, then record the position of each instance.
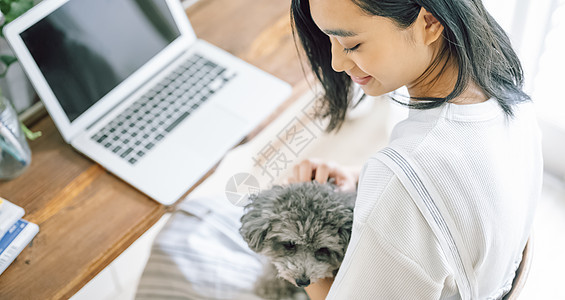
(139, 128)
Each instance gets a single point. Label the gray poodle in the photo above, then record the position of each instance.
(303, 229)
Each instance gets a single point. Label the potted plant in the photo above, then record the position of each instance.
(15, 155)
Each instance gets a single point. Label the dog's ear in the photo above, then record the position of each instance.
(347, 199)
(254, 224)
(344, 230)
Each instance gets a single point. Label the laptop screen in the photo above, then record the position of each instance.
(86, 48)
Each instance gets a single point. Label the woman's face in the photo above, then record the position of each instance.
(373, 50)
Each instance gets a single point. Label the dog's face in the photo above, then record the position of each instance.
(304, 229)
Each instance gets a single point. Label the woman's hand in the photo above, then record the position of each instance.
(314, 169)
(320, 289)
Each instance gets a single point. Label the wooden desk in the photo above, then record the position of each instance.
(87, 216)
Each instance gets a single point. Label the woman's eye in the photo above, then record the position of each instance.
(348, 50)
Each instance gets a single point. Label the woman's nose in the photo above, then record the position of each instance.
(340, 61)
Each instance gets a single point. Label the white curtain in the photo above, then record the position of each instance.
(537, 31)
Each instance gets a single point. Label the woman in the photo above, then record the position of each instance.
(471, 131)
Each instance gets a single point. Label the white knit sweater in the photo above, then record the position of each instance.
(486, 166)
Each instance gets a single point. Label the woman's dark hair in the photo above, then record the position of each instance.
(473, 38)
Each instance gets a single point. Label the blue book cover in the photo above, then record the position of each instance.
(15, 240)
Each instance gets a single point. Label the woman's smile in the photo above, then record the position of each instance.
(361, 80)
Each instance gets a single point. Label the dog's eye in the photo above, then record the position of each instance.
(322, 254)
(289, 245)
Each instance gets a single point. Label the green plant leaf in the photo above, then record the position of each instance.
(17, 8)
(30, 135)
(5, 6)
(8, 59)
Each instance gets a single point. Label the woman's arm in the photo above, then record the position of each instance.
(320, 289)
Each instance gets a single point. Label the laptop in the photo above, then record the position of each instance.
(128, 84)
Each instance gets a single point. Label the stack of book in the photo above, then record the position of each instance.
(15, 232)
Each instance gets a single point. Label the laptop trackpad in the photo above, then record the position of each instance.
(211, 131)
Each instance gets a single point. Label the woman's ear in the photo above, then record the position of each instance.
(430, 26)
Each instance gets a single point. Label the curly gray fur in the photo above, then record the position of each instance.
(303, 228)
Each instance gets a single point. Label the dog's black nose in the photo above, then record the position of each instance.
(303, 282)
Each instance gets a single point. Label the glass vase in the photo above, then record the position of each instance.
(15, 155)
